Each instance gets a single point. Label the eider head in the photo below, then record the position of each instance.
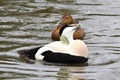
(65, 20)
(66, 33)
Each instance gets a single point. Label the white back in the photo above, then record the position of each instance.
(73, 47)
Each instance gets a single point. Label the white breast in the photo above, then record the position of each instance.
(78, 48)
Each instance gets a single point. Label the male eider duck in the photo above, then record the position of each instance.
(67, 20)
(67, 50)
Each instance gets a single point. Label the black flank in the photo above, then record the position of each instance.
(57, 57)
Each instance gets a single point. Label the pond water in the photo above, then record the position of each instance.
(28, 23)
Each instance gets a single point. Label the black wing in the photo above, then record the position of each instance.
(57, 57)
(29, 53)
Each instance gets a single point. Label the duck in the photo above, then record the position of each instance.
(67, 20)
(67, 50)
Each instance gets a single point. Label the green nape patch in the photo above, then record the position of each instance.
(64, 40)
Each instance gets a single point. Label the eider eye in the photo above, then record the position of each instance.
(67, 16)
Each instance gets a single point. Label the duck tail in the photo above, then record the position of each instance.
(28, 53)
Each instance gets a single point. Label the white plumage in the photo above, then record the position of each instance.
(66, 45)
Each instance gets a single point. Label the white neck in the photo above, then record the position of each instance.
(66, 40)
(71, 39)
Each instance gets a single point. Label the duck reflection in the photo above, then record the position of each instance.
(65, 73)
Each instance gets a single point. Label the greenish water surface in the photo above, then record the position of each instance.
(28, 23)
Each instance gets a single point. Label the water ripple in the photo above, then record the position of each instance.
(26, 24)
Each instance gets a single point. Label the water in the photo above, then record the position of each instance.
(28, 23)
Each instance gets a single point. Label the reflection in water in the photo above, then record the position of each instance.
(65, 74)
(28, 23)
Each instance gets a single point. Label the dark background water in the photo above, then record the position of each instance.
(28, 23)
